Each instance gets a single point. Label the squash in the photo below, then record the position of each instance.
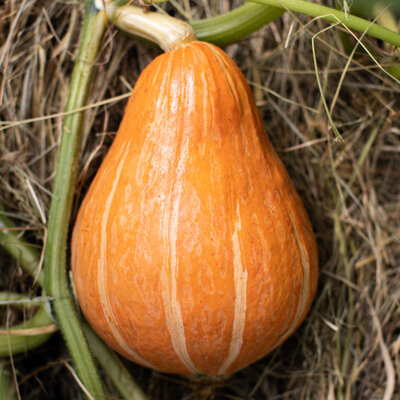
(192, 252)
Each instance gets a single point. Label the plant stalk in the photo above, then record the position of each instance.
(335, 16)
(116, 371)
(236, 24)
(41, 321)
(56, 282)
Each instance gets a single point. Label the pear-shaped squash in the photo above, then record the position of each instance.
(192, 252)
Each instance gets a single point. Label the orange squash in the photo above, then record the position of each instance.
(192, 252)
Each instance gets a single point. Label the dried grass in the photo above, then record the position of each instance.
(348, 348)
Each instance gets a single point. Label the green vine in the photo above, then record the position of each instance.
(56, 282)
(20, 338)
(334, 16)
(235, 25)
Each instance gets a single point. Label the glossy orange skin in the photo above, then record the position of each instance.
(192, 252)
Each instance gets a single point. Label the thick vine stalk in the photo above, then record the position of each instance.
(236, 24)
(56, 282)
(335, 16)
(29, 334)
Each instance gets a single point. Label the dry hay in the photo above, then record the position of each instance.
(348, 347)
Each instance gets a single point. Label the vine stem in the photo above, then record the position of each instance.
(56, 282)
(115, 369)
(236, 24)
(335, 16)
(16, 339)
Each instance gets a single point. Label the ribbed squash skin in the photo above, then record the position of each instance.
(192, 252)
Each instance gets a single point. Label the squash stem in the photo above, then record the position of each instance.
(56, 283)
(168, 32)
